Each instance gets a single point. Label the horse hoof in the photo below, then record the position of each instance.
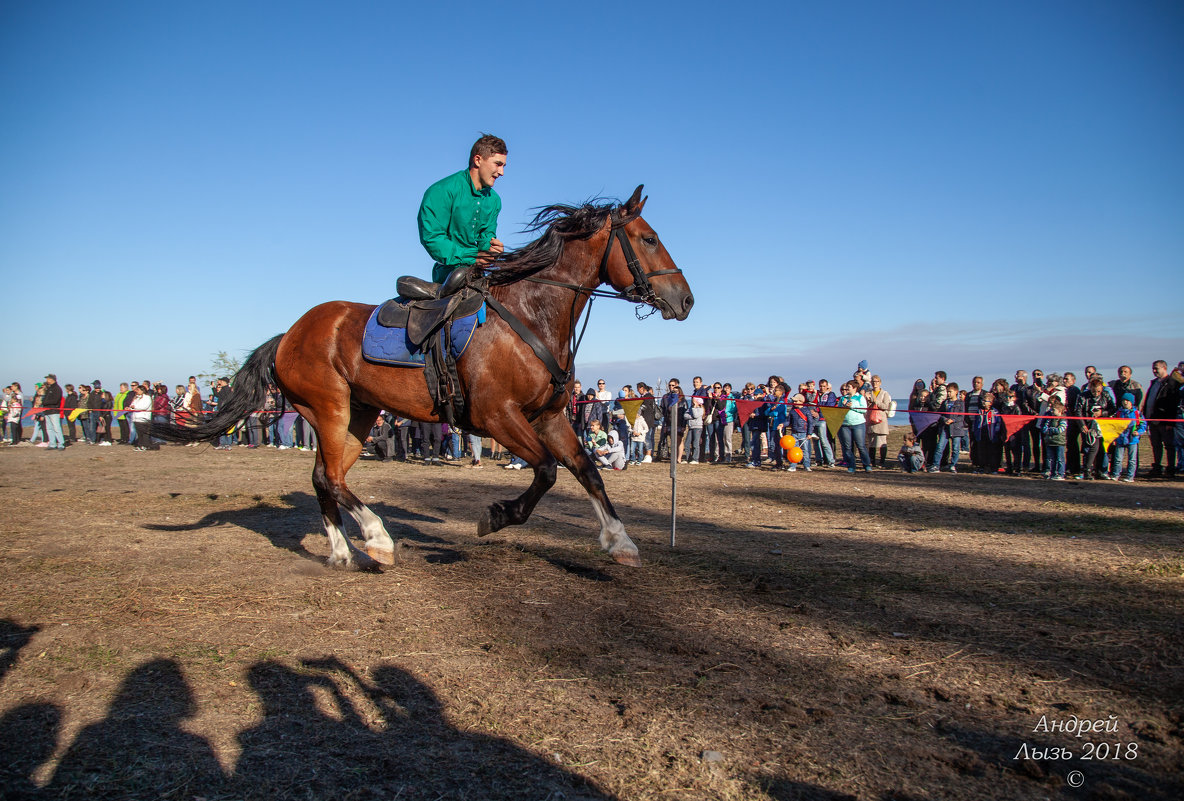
(381, 556)
(361, 563)
(492, 519)
(629, 559)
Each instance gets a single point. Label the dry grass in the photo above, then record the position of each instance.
(170, 631)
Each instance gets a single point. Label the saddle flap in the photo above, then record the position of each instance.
(394, 313)
(427, 316)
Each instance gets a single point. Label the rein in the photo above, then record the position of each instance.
(640, 292)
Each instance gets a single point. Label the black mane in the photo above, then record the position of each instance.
(562, 222)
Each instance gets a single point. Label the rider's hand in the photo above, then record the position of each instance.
(484, 258)
(496, 247)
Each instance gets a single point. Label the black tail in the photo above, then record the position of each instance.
(250, 392)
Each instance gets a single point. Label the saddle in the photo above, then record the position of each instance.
(425, 311)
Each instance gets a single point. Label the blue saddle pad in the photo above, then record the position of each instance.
(391, 346)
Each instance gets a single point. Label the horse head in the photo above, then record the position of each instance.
(640, 268)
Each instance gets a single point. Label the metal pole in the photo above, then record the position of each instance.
(674, 469)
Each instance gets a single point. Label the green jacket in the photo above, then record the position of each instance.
(456, 221)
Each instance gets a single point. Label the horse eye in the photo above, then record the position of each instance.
(650, 240)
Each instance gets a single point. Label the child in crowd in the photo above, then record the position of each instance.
(637, 439)
(984, 428)
(775, 420)
(595, 438)
(1055, 427)
(618, 414)
(1013, 445)
(952, 427)
(910, 457)
(1124, 453)
(611, 453)
(800, 425)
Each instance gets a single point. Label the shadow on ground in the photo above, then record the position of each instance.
(384, 737)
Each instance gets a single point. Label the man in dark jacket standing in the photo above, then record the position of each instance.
(1073, 432)
(51, 401)
(1024, 435)
(975, 406)
(1124, 384)
(1160, 402)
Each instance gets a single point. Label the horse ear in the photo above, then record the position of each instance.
(636, 202)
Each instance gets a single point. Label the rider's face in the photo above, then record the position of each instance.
(489, 168)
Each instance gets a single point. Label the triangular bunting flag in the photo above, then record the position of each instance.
(922, 420)
(834, 418)
(1111, 427)
(631, 406)
(1014, 422)
(746, 407)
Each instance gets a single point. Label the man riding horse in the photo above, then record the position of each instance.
(514, 374)
(458, 215)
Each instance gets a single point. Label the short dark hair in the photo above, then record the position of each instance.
(487, 146)
(940, 374)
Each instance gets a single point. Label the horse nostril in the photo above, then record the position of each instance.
(688, 302)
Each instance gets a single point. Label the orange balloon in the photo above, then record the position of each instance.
(788, 442)
(795, 454)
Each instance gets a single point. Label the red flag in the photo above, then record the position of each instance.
(1014, 422)
(745, 408)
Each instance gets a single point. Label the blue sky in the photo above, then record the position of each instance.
(972, 187)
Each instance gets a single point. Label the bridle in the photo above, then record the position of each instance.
(641, 291)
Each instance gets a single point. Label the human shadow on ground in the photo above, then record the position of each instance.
(29, 732)
(407, 750)
(286, 527)
(13, 637)
(140, 750)
(326, 732)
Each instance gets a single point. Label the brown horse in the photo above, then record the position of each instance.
(510, 395)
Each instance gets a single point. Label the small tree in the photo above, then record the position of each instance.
(222, 365)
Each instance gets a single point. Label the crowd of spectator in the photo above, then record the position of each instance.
(1040, 424)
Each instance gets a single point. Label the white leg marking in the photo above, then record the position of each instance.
(373, 530)
(612, 532)
(340, 548)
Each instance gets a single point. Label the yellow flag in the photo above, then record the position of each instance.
(630, 407)
(834, 418)
(1111, 427)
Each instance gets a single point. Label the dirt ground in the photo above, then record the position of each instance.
(170, 630)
